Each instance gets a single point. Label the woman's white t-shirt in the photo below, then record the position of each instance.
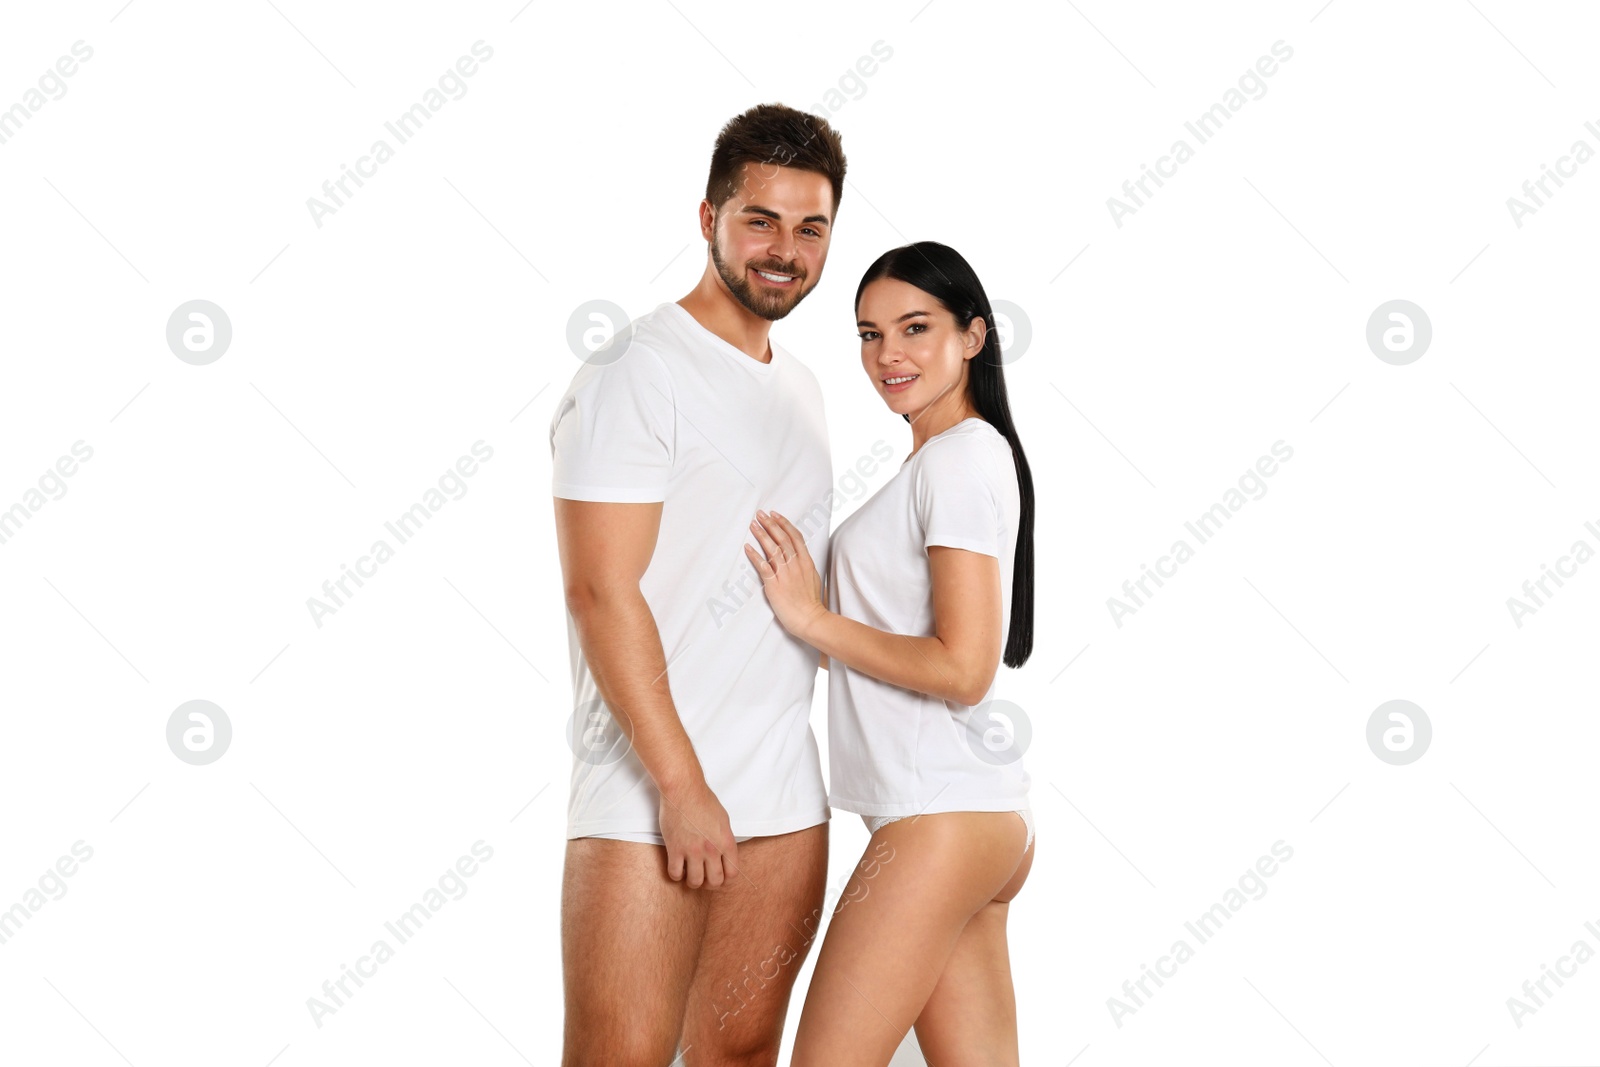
(682, 416)
(891, 750)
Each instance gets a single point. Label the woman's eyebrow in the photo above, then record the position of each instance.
(902, 318)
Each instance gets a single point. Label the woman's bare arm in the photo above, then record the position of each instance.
(958, 662)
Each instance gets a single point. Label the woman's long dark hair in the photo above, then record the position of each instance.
(942, 273)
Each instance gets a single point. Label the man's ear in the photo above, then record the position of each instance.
(708, 221)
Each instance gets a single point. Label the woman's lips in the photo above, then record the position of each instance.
(900, 388)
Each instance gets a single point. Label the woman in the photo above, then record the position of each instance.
(927, 582)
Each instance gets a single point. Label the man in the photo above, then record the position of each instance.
(697, 821)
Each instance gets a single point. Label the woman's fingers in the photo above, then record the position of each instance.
(761, 565)
(768, 545)
(779, 534)
(773, 539)
(792, 541)
(779, 538)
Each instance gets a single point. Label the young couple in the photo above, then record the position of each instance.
(692, 459)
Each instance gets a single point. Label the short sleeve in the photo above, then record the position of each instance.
(957, 501)
(612, 436)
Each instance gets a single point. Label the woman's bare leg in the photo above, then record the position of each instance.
(902, 914)
(971, 1018)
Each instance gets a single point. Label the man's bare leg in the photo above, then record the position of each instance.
(630, 937)
(758, 930)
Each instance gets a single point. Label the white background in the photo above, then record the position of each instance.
(1167, 355)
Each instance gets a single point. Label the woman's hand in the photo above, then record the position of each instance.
(788, 576)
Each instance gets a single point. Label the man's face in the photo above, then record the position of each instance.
(770, 239)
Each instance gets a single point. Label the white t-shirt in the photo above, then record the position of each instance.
(891, 750)
(686, 418)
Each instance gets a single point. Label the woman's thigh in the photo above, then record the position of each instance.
(901, 915)
(971, 1016)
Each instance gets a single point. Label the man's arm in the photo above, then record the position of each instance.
(605, 548)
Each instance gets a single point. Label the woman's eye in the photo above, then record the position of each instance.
(918, 326)
(868, 335)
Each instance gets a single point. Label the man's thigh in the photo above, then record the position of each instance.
(758, 930)
(629, 940)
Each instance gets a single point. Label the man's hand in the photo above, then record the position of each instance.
(700, 845)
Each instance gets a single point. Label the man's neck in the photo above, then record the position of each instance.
(729, 320)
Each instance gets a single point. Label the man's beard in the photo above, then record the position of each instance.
(770, 304)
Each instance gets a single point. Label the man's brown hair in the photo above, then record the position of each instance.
(772, 135)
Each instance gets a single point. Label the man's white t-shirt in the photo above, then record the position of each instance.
(684, 417)
(891, 750)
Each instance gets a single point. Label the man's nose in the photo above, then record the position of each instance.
(782, 247)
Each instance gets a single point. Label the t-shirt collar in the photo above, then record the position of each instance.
(711, 340)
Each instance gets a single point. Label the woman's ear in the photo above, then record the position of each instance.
(977, 331)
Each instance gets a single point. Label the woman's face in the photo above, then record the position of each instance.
(912, 348)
